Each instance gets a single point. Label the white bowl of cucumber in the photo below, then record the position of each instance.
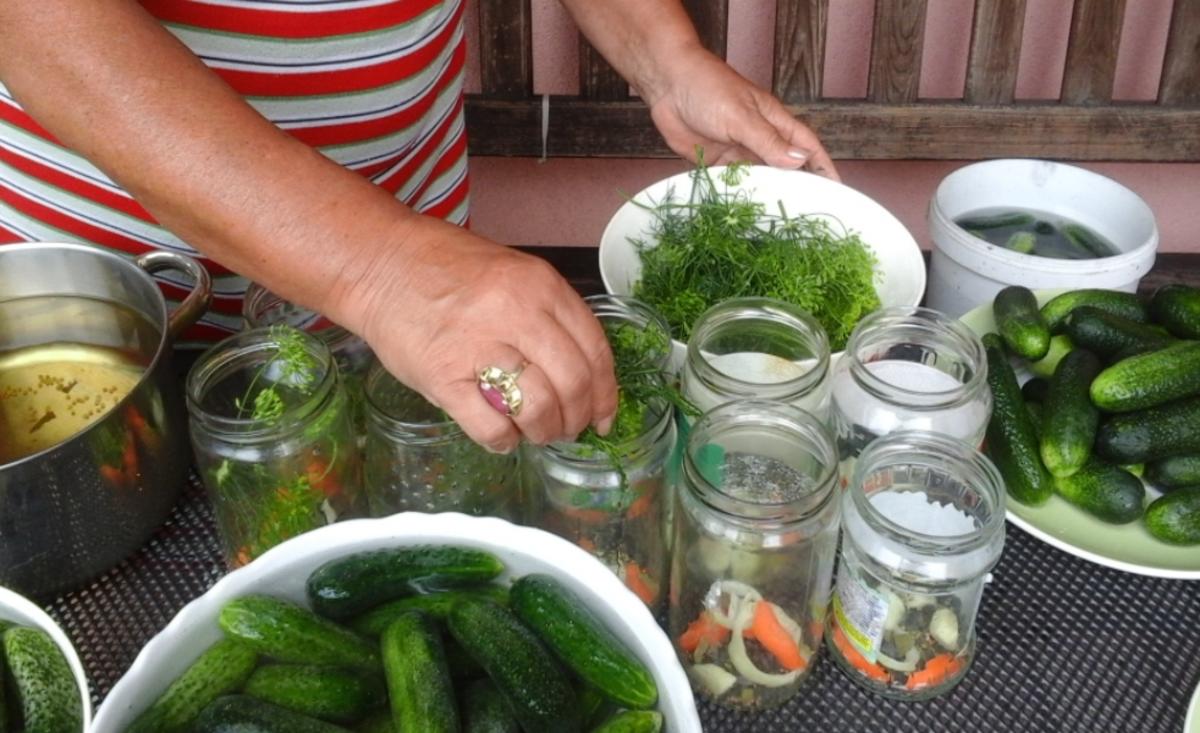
(18, 611)
(283, 573)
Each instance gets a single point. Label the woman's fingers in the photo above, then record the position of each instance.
(798, 135)
(600, 404)
(481, 422)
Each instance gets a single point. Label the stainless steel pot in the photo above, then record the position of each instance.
(63, 517)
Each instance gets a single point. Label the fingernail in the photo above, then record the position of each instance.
(799, 155)
(604, 426)
(498, 449)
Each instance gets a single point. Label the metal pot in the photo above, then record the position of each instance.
(66, 515)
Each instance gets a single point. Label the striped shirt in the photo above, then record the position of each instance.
(375, 85)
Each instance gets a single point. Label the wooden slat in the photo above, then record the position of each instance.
(995, 49)
(1181, 67)
(896, 51)
(506, 48)
(598, 80)
(800, 27)
(950, 131)
(1092, 51)
(711, 18)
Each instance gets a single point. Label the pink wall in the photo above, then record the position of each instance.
(568, 201)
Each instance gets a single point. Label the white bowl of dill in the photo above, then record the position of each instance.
(698, 238)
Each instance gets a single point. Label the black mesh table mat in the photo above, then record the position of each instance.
(1064, 645)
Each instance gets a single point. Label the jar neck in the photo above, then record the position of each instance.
(953, 364)
(635, 449)
(621, 310)
(403, 415)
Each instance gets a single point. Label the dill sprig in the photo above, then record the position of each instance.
(296, 368)
(720, 244)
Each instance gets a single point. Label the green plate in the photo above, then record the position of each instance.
(1127, 547)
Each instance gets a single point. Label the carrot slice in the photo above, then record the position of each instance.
(638, 581)
(704, 629)
(640, 506)
(874, 671)
(936, 671)
(112, 474)
(766, 630)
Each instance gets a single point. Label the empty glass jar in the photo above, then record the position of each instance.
(417, 459)
(922, 524)
(755, 540)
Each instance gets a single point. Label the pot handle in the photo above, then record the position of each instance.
(196, 302)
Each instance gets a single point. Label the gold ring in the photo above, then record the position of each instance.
(500, 389)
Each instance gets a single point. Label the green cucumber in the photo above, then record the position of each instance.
(1149, 380)
(632, 721)
(1060, 346)
(1020, 323)
(564, 623)
(243, 714)
(1012, 440)
(1151, 434)
(46, 693)
(537, 689)
(1034, 390)
(1178, 308)
(223, 668)
(1175, 517)
(438, 605)
(996, 221)
(1105, 491)
(380, 722)
(1022, 242)
(1069, 419)
(1086, 240)
(1137, 469)
(1114, 302)
(1113, 336)
(350, 585)
(485, 710)
(287, 632)
(328, 693)
(1175, 472)
(1037, 415)
(418, 680)
(594, 707)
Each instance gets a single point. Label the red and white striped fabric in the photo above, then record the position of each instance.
(376, 85)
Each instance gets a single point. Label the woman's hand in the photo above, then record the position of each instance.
(450, 303)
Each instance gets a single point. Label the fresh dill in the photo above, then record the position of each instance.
(295, 367)
(720, 244)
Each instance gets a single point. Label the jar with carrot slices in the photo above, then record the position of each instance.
(271, 431)
(754, 547)
(922, 525)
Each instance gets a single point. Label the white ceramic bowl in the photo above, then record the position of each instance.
(21, 611)
(283, 570)
(901, 268)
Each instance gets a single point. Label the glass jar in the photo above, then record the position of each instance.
(270, 428)
(757, 348)
(756, 531)
(418, 459)
(922, 524)
(908, 368)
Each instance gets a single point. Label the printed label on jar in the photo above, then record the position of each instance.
(860, 612)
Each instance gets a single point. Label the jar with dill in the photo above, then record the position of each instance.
(271, 431)
(756, 533)
(417, 459)
(608, 494)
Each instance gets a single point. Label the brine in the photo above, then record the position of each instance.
(1037, 233)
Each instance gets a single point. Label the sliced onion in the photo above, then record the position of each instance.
(716, 680)
(738, 593)
(944, 628)
(741, 661)
(908, 665)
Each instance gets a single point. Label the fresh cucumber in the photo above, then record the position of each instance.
(486, 711)
(418, 680)
(1174, 472)
(1113, 336)
(380, 722)
(1085, 240)
(1012, 439)
(1149, 380)
(1175, 517)
(1020, 322)
(1034, 390)
(1105, 491)
(287, 632)
(1022, 242)
(243, 714)
(1114, 302)
(46, 693)
(996, 221)
(438, 605)
(1151, 434)
(632, 721)
(328, 693)
(594, 707)
(223, 668)
(1178, 308)
(350, 585)
(1060, 346)
(537, 689)
(1069, 419)
(564, 623)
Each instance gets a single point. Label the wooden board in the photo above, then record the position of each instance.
(1092, 51)
(896, 51)
(799, 49)
(995, 50)
(1181, 67)
(506, 48)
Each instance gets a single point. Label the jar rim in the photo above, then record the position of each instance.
(626, 308)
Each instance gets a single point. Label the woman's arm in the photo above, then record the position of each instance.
(436, 302)
(695, 98)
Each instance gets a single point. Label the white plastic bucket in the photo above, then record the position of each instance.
(966, 271)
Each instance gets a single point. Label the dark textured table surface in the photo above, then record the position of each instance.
(1064, 645)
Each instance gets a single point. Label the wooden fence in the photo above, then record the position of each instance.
(892, 122)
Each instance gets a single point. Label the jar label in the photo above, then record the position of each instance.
(860, 611)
